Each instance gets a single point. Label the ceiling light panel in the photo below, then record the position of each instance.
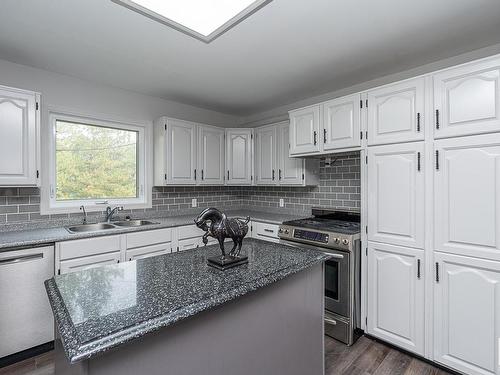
(203, 19)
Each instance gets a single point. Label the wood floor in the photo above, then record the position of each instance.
(365, 357)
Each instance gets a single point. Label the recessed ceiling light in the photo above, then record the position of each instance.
(203, 19)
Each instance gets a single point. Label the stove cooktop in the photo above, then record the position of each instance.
(330, 221)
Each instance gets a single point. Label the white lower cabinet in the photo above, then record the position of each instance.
(265, 231)
(396, 295)
(467, 314)
(149, 251)
(79, 264)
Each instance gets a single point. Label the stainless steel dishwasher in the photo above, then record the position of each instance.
(26, 319)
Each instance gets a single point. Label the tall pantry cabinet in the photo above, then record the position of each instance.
(433, 156)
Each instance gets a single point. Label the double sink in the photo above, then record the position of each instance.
(82, 228)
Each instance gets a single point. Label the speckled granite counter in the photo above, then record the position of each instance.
(33, 237)
(101, 308)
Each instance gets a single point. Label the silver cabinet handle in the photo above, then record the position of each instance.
(20, 259)
(338, 256)
(268, 230)
(331, 321)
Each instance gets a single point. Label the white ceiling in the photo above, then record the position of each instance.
(287, 51)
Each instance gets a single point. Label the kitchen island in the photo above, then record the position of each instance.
(171, 314)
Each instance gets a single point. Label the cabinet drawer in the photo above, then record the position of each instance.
(189, 243)
(265, 231)
(72, 265)
(189, 231)
(88, 246)
(149, 237)
(149, 251)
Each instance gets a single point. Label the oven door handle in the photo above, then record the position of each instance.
(331, 321)
(337, 256)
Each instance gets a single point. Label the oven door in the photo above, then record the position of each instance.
(337, 278)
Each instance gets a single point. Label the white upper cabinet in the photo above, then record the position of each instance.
(291, 171)
(467, 314)
(467, 99)
(467, 196)
(396, 295)
(341, 123)
(239, 156)
(396, 197)
(19, 137)
(181, 152)
(304, 130)
(210, 156)
(266, 143)
(396, 113)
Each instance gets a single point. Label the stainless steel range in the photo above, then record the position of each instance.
(338, 234)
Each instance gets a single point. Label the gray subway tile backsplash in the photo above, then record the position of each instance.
(339, 188)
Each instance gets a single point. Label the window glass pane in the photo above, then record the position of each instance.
(95, 162)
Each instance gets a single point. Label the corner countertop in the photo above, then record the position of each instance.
(36, 237)
(128, 300)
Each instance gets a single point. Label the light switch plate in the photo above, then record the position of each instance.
(194, 202)
(282, 202)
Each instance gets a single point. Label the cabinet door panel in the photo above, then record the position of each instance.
(467, 196)
(149, 251)
(304, 130)
(396, 296)
(211, 156)
(93, 261)
(467, 99)
(396, 194)
(467, 314)
(17, 138)
(239, 156)
(266, 167)
(396, 113)
(341, 123)
(181, 152)
(290, 170)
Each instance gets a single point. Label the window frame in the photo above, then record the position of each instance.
(49, 204)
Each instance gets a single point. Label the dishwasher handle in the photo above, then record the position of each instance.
(20, 259)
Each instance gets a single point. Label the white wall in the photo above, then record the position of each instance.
(93, 99)
(281, 113)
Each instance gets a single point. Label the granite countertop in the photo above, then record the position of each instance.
(101, 308)
(34, 237)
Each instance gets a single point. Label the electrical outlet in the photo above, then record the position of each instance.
(194, 202)
(282, 202)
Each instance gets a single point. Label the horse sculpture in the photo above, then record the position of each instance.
(221, 227)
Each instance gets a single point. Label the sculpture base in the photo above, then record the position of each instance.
(227, 262)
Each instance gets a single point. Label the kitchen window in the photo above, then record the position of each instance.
(95, 163)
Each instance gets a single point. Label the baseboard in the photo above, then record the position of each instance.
(25, 354)
(423, 359)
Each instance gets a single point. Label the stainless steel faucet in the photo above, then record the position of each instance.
(111, 211)
(82, 208)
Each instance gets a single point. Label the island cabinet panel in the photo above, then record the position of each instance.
(79, 264)
(467, 196)
(304, 130)
(467, 314)
(239, 154)
(396, 197)
(396, 113)
(19, 138)
(181, 152)
(396, 295)
(341, 123)
(467, 99)
(149, 251)
(210, 156)
(88, 246)
(150, 237)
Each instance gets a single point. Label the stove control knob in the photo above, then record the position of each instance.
(286, 231)
(336, 240)
(280, 230)
(345, 241)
